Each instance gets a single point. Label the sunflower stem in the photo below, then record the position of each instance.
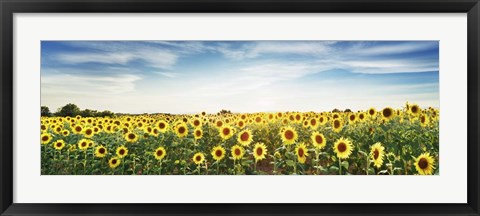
(160, 170)
(317, 154)
(218, 167)
(340, 166)
(85, 162)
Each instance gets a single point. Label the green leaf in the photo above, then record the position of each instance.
(345, 164)
(333, 169)
(290, 163)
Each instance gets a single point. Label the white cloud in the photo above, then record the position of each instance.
(389, 49)
(168, 74)
(64, 85)
(119, 53)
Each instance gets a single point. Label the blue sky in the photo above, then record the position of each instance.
(241, 76)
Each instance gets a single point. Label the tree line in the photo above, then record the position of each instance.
(73, 110)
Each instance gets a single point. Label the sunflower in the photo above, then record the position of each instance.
(343, 148)
(114, 162)
(162, 126)
(377, 152)
(414, 109)
(372, 112)
(59, 144)
(196, 123)
(241, 124)
(237, 152)
(424, 120)
(361, 116)
(131, 137)
(83, 144)
(337, 125)
(198, 133)
(245, 137)
(122, 151)
(100, 151)
(318, 140)
(352, 118)
(77, 129)
(45, 138)
(181, 130)
(289, 135)
(88, 132)
(425, 164)
(302, 152)
(226, 132)
(388, 113)
(313, 123)
(65, 132)
(198, 158)
(218, 153)
(160, 153)
(259, 151)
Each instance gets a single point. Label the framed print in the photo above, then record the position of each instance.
(267, 107)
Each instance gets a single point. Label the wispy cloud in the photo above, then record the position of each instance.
(67, 84)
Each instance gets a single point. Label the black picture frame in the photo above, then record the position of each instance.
(9, 7)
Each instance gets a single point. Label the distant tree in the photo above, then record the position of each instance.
(68, 110)
(45, 111)
(105, 113)
(88, 113)
(223, 112)
(335, 110)
(347, 110)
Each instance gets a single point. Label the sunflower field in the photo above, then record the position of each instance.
(388, 141)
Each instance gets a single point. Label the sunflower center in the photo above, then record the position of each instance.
(318, 139)
(198, 158)
(131, 136)
(43, 127)
(122, 151)
(181, 130)
(196, 123)
(244, 136)
(114, 161)
(414, 109)
(297, 117)
(387, 112)
(289, 134)
(313, 122)
(371, 112)
(161, 125)
(78, 128)
(159, 153)
(218, 153)
(240, 124)
(423, 119)
(423, 163)
(198, 133)
(101, 150)
(352, 117)
(376, 154)
(237, 152)
(44, 138)
(342, 147)
(219, 124)
(259, 151)
(59, 144)
(226, 131)
(300, 152)
(336, 124)
(84, 144)
(88, 132)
